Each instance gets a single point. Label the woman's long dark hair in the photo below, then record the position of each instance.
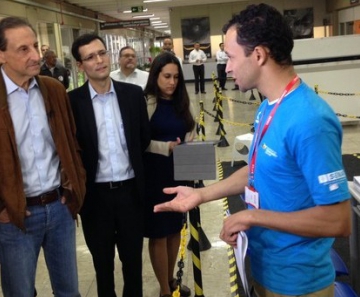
(180, 96)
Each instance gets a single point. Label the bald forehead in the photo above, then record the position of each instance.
(128, 51)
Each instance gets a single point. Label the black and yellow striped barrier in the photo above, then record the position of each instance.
(234, 287)
(201, 123)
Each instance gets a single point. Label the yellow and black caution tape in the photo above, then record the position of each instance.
(316, 88)
(229, 122)
(337, 93)
(234, 288)
(239, 101)
(347, 116)
(201, 123)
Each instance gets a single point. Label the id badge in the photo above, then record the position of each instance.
(252, 197)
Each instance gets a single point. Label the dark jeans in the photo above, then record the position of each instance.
(221, 74)
(114, 218)
(199, 73)
(52, 228)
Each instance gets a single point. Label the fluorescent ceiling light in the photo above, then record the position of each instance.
(129, 11)
(159, 27)
(156, 22)
(143, 16)
(152, 19)
(149, 1)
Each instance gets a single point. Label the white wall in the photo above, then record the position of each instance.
(338, 77)
(327, 47)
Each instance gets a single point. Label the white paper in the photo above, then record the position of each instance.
(240, 254)
(357, 183)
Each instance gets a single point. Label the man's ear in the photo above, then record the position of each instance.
(262, 54)
(79, 65)
(2, 58)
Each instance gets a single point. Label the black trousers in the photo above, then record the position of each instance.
(199, 74)
(115, 218)
(221, 73)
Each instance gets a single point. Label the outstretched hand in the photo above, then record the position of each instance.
(186, 199)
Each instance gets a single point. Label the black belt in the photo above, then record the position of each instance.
(115, 184)
(43, 199)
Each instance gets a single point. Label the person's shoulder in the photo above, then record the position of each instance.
(49, 82)
(151, 99)
(75, 92)
(120, 85)
(115, 73)
(43, 68)
(61, 67)
(142, 72)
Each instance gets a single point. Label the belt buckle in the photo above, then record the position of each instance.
(43, 199)
(113, 185)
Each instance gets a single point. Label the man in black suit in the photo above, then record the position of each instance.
(53, 69)
(113, 132)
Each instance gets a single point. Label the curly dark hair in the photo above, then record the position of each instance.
(180, 96)
(263, 25)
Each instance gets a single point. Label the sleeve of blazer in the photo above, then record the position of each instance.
(145, 127)
(73, 176)
(81, 174)
(190, 136)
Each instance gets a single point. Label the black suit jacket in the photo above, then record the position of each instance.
(136, 128)
(60, 73)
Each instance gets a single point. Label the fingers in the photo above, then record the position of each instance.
(163, 207)
(169, 190)
(229, 238)
(63, 200)
(4, 217)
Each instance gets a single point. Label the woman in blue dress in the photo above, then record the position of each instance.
(172, 122)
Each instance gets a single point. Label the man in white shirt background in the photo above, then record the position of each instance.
(128, 71)
(221, 60)
(168, 46)
(197, 57)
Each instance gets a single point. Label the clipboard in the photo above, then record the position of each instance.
(195, 160)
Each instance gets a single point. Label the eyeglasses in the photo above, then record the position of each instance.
(93, 57)
(127, 56)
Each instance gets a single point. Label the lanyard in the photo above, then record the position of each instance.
(259, 137)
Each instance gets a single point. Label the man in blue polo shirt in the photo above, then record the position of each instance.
(295, 184)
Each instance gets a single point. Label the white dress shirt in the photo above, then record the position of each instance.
(197, 57)
(138, 77)
(36, 148)
(113, 163)
(221, 57)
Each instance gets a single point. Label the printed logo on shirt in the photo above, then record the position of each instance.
(269, 151)
(257, 120)
(333, 187)
(332, 177)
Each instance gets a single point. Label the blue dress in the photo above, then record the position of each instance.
(166, 125)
